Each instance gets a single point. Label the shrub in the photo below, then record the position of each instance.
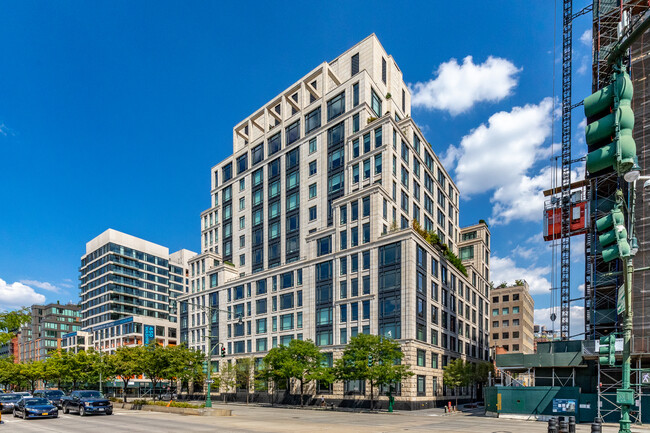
(433, 239)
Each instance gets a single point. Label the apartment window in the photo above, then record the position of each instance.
(293, 201)
(378, 134)
(355, 123)
(366, 288)
(313, 168)
(467, 252)
(421, 358)
(495, 311)
(366, 260)
(515, 297)
(365, 307)
(366, 169)
(343, 293)
(293, 158)
(378, 164)
(312, 120)
(355, 148)
(505, 323)
(292, 132)
(375, 103)
(495, 299)
(366, 143)
(355, 173)
(257, 154)
(403, 101)
(515, 322)
(354, 312)
(515, 334)
(506, 298)
(313, 190)
(343, 244)
(344, 336)
(383, 70)
(515, 310)
(336, 159)
(336, 106)
(324, 245)
(422, 380)
(354, 65)
(242, 163)
(312, 213)
(505, 335)
(515, 348)
(355, 94)
(344, 214)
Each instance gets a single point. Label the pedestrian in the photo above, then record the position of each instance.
(322, 401)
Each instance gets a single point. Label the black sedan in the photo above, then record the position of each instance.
(8, 401)
(53, 395)
(35, 408)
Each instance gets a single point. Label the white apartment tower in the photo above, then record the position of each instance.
(310, 235)
(126, 286)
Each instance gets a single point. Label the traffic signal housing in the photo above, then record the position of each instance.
(369, 360)
(607, 350)
(610, 121)
(612, 236)
(223, 351)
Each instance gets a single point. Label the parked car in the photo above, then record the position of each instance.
(87, 402)
(24, 394)
(35, 408)
(53, 395)
(169, 396)
(8, 401)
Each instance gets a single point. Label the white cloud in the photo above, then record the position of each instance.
(41, 285)
(505, 269)
(457, 88)
(17, 295)
(576, 319)
(500, 152)
(585, 38)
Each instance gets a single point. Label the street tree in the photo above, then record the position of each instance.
(185, 364)
(9, 373)
(155, 364)
(372, 358)
(127, 363)
(31, 372)
(227, 378)
(455, 374)
(10, 321)
(245, 369)
(304, 363)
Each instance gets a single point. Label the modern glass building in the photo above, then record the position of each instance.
(310, 231)
(123, 276)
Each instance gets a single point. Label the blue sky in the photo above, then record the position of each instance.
(112, 114)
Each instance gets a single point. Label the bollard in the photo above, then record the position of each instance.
(572, 424)
(552, 425)
(596, 427)
(564, 425)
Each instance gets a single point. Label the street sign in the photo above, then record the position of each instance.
(645, 377)
(209, 381)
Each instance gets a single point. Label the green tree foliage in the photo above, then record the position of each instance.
(9, 372)
(372, 358)
(432, 238)
(155, 364)
(244, 373)
(126, 364)
(10, 321)
(228, 378)
(32, 372)
(456, 374)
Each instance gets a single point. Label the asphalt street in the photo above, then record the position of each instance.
(263, 419)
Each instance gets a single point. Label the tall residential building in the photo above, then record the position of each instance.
(512, 318)
(44, 331)
(127, 284)
(309, 235)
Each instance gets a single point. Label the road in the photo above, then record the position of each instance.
(264, 419)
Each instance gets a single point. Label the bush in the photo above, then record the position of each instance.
(164, 403)
(433, 239)
(116, 400)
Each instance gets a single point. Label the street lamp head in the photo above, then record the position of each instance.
(240, 319)
(634, 173)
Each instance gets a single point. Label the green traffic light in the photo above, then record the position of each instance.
(611, 133)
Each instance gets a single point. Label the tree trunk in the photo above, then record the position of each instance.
(302, 382)
(126, 385)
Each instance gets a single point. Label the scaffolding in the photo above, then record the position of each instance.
(612, 20)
